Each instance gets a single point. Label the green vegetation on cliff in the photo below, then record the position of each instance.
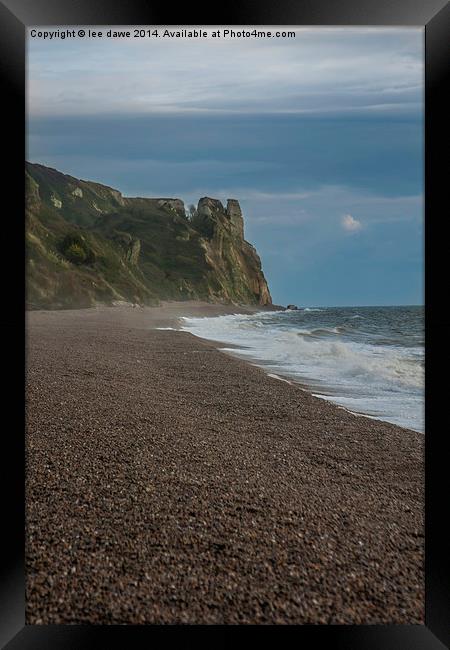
(86, 243)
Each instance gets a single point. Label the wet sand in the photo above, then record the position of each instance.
(168, 482)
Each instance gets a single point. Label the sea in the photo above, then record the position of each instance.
(369, 360)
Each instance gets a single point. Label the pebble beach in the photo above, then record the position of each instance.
(170, 483)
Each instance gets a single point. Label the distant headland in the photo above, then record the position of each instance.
(88, 244)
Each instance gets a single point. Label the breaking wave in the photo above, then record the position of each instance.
(372, 363)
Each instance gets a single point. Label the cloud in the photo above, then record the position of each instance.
(324, 71)
(350, 224)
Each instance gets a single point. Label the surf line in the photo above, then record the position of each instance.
(269, 374)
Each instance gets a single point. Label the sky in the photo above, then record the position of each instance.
(319, 137)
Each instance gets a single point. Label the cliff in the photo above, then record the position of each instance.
(86, 243)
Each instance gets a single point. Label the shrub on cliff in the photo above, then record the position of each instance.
(75, 254)
(75, 249)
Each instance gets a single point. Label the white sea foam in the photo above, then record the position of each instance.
(384, 381)
(271, 374)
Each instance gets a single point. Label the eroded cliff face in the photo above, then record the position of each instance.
(86, 243)
(236, 263)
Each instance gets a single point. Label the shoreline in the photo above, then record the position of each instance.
(171, 314)
(233, 350)
(187, 485)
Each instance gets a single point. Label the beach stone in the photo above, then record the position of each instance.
(193, 488)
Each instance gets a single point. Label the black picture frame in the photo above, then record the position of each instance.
(15, 16)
